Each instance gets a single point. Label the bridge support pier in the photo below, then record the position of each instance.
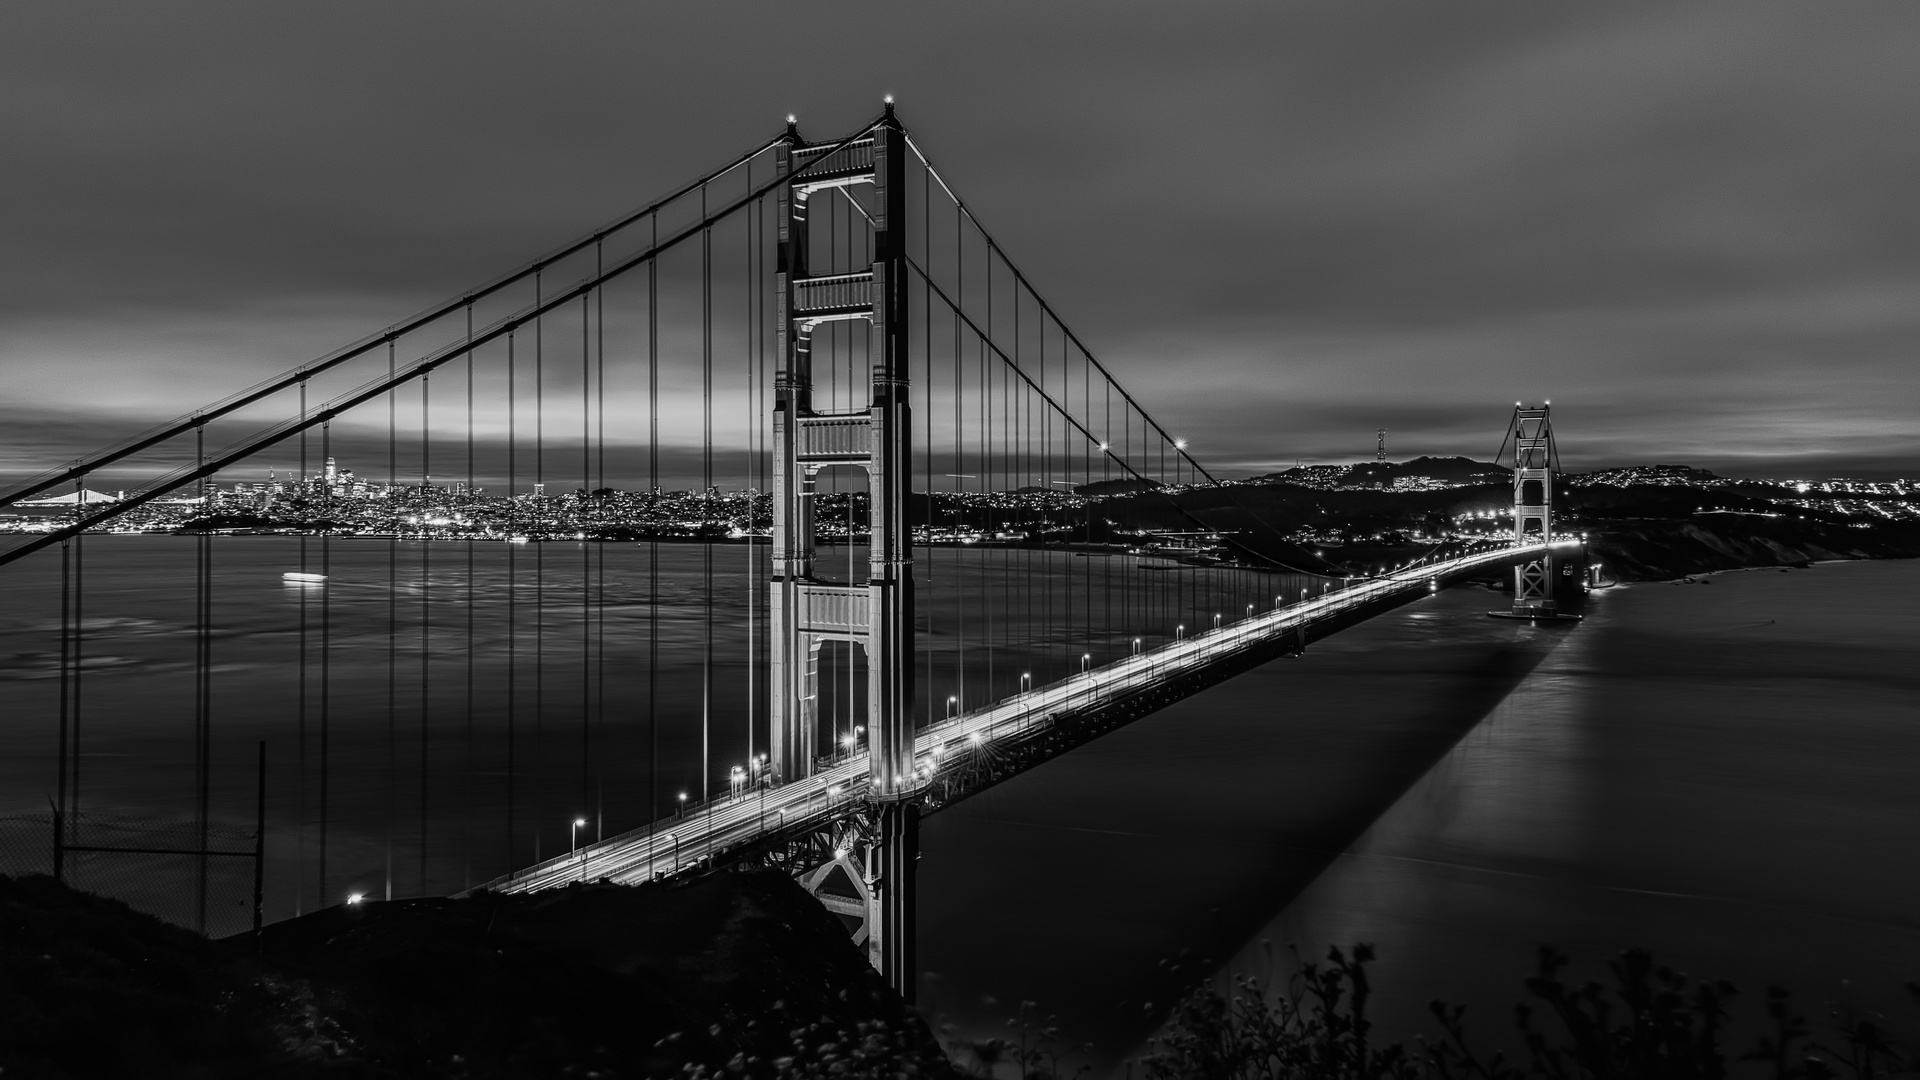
(891, 939)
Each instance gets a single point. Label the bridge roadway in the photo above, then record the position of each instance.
(671, 846)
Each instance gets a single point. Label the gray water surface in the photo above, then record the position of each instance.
(1724, 774)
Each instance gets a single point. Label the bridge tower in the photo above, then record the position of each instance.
(1533, 458)
(877, 617)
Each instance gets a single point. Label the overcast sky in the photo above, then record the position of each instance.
(1696, 228)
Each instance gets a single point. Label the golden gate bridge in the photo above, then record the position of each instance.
(591, 624)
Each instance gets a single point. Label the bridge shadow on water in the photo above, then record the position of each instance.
(1104, 883)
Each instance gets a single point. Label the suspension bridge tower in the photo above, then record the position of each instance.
(1533, 461)
(877, 617)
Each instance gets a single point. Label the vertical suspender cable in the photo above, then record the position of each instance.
(1106, 535)
(426, 508)
(985, 406)
(751, 484)
(468, 504)
(1057, 571)
(852, 715)
(80, 640)
(1086, 511)
(538, 533)
(78, 650)
(581, 507)
(1016, 479)
(1031, 554)
(326, 653)
(203, 683)
(706, 494)
(66, 661)
(955, 584)
(653, 529)
(1014, 638)
(600, 540)
(300, 690)
(513, 591)
(831, 350)
(1007, 485)
(393, 613)
(1043, 421)
(926, 457)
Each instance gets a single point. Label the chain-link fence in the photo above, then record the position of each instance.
(205, 880)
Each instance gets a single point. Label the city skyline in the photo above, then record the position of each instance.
(1282, 229)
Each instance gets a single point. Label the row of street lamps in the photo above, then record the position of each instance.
(739, 777)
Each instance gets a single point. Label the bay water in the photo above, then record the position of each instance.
(1727, 774)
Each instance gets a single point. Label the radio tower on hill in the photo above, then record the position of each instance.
(1380, 454)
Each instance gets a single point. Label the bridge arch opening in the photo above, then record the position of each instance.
(842, 523)
(840, 690)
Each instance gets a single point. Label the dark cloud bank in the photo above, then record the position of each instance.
(1692, 227)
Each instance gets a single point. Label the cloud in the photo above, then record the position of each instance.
(1282, 227)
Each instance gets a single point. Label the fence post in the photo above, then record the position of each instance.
(59, 845)
(260, 843)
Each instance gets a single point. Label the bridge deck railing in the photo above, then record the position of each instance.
(702, 830)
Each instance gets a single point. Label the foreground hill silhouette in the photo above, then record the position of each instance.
(744, 975)
(740, 972)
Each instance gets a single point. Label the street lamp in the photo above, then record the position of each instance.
(676, 851)
(683, 804)
(1085, 659)
(1136, 646)
(1216, 620)
(1180, 632)
(951, 702)
(759, 764)
(354, 899)
(1026, 680)
(573, 838)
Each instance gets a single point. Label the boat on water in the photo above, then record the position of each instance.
(301, 577)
